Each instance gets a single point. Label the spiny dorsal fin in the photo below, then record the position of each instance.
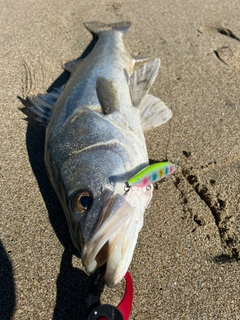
(140, 59)
(43, 103)
(153, 112)
(97, 27)
(142, 79)
(107, 95)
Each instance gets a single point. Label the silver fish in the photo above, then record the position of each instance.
(95, 143)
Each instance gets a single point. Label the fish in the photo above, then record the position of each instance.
(95, 142)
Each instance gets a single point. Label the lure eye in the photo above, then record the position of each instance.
(82, 201)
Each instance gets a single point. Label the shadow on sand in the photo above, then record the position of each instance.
(72, 283)
(7, 288)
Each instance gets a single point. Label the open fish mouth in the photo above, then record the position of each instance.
(113, 241)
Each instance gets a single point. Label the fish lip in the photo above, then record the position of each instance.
(106, 243)
(118, 229)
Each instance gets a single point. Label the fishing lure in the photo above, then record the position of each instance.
(150, 174)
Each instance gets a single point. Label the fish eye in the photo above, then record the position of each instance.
(82, 201)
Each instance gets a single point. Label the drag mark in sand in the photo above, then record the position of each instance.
(30, 79)
(27, 82)
(188, 180)
(221, 30)
(228, 57)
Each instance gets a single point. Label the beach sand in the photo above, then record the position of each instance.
(186, 263)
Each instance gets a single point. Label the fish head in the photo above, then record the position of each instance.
(103, 220)
(105, 226)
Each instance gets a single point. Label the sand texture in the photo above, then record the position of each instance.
(186, 263)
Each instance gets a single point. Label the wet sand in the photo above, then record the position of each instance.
(186, 263)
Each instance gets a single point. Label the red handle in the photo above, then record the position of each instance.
(125, 305)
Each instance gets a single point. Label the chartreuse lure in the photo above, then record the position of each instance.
(150, 174)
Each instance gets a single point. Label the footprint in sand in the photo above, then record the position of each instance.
(228, 55)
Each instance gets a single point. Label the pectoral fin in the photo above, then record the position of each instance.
(71, 65)
(142, 79)
(153, 112)
(107, 95)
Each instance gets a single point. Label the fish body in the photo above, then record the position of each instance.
(95, 143)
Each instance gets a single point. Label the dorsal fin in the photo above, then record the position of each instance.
(43, 103)
(97, 27)
(142, 79)
(107, 95)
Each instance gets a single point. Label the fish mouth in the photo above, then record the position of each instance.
(111, 242)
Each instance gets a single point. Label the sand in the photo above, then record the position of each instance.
(186, 263)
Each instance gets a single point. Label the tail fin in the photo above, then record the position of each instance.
(97, 27)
